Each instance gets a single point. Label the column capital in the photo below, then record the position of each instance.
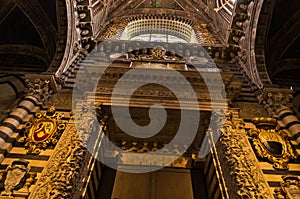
(41, 86)
(275, 100)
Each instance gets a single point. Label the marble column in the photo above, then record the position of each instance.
(38, 90)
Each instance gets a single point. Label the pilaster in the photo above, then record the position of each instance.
(241, 175)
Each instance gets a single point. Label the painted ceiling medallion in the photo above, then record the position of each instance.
(44, 130)
(271, 144)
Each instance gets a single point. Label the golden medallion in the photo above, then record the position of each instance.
(45, 129)
(270, 143)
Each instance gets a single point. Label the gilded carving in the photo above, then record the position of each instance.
(290, 188)
(113, 29)
(241, 162)
(60, 178)
(61, 100)
(207, 36)
(270, 143)
(67, 169)
(16, 179)
(155, 53)
(44, 130)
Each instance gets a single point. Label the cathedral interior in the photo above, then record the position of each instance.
(149, 99)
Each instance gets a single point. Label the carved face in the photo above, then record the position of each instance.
(82, 15)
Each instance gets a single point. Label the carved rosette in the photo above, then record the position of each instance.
(239, 164)
(270, 143)
(44, 130)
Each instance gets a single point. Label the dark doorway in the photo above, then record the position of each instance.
(167, 183)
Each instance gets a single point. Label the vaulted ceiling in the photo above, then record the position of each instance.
(283, 44)
(31, 34)
(193, 12)
(34, 33)
(189, 9)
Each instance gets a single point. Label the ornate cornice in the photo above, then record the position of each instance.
(242, 37)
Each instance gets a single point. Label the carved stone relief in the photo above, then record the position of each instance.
(270, 143)
(240, 167)
(16, 179)
(66, 171)
(248, 109)
(62, 100)
(290, 188)
(276, 100)
(206, 36)
(60, 178)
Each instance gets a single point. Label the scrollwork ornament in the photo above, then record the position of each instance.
(271, 144)
(44, 130)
